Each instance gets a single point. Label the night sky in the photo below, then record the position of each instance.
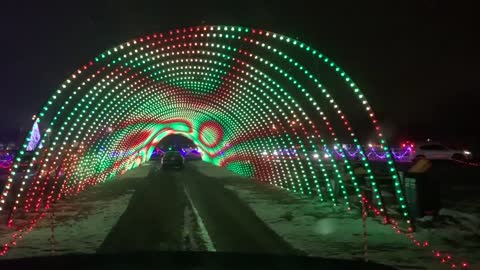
(417, 62)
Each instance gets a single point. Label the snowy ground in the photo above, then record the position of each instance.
(320, 229)
(81, 223)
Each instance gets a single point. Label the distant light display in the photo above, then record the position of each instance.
(34, 137)
(6, 160)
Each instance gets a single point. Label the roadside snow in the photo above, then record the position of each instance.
(76, 231)
(81, 223)
(212, 170)
(321, 229)
(139, 172)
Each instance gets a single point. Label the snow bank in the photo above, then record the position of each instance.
(82, 222)
(78, 230)
(321, 229)
(212, 170)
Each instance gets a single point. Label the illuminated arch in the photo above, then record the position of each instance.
(242, 95)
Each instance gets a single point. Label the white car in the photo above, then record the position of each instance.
(439, 152)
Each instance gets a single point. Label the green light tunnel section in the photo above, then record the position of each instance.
(261, 104)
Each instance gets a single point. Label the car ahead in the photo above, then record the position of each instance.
(172, 159)
(437, 151)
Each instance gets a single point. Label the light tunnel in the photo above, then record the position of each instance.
(244, 96)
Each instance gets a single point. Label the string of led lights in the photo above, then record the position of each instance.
(372, 153)
(443, 256)
(236, 92)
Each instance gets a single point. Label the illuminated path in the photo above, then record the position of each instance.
(155, 218)
(238, 93)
